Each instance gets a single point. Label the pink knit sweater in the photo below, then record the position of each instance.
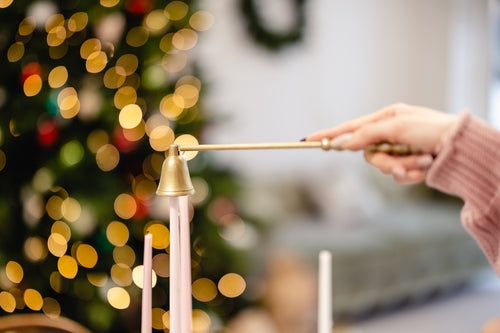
(468, 166)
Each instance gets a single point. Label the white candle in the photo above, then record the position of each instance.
(325, 314)
(185, 251)
(147, 285)
(175, 268)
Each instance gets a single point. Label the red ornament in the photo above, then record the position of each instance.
(48, 133)
(139, 7)
(30, 69)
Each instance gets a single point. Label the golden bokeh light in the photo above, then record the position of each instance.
(27, 26)
(78, 21)
(161, 137)
(53, 21)
(125, 206)
(189, 94)
(67, 266)
(166, 43)
(56, 36)
(97, 279)
(107, 157)
(171, 106)
(201, 321)
(137, 36)
(117, 233)
(138, 277)
(121, 274)
(7, 302)
(15, 52)
(136, 133)
(51, 307)
(204, 290)
(58, 77)
(201, 20)
(156, 21)
(68, 102)
(177, 10)
(184, 39)
(114, 78)
(124, 255)
(33, 299)
(231, 285)
(161, 235)
(124, 96)
(32, 85)
(187, 140)
(96, 139)
(57, 244)
(35, 249)
(144, 188)
(5, 3)
(62, 228)
(96, 62)
(161, 264)
(128, 63)
(157, 318)
(71, 209)
(43, 179)
(130, 116)
(56, 282)
(118, 298)
(89, 47)
(14, 271)
(86, 255)
(53, 207)
(109, 3)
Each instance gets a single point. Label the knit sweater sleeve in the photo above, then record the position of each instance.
(468, 166)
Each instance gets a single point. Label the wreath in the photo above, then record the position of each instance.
(264, 36)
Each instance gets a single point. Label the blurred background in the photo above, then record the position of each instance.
(91, 95)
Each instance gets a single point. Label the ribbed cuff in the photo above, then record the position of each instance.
(468, 164)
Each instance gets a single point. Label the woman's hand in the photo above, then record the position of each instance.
(421, 128)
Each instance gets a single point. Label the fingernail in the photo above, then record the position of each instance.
(424, 161)
(398, 171)
(303, 139)
(340, 140)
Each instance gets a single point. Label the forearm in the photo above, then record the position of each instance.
(468, 166)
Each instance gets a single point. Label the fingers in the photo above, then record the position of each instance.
(351, 126)
(404, 169)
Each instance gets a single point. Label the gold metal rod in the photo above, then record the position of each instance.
(325, 144)
(252, 146)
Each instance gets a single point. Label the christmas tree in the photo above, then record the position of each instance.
(91, 95)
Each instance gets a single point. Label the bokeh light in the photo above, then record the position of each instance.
(32, 85)
(161, 235)
(204, 290)
(124, 255)
(125, 206)
(117, 233)
(14, 271)
(51, 307)
(118, 298)
(138, 277)
(232, 285)
(107, 157)
(67, 266)
(157, 318)
(161, 264)
(7, 302)
(33, 299)
(86, 255)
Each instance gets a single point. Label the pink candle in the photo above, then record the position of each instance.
(175, 268)
(185, 244)
(325, 321)
(147, 285)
